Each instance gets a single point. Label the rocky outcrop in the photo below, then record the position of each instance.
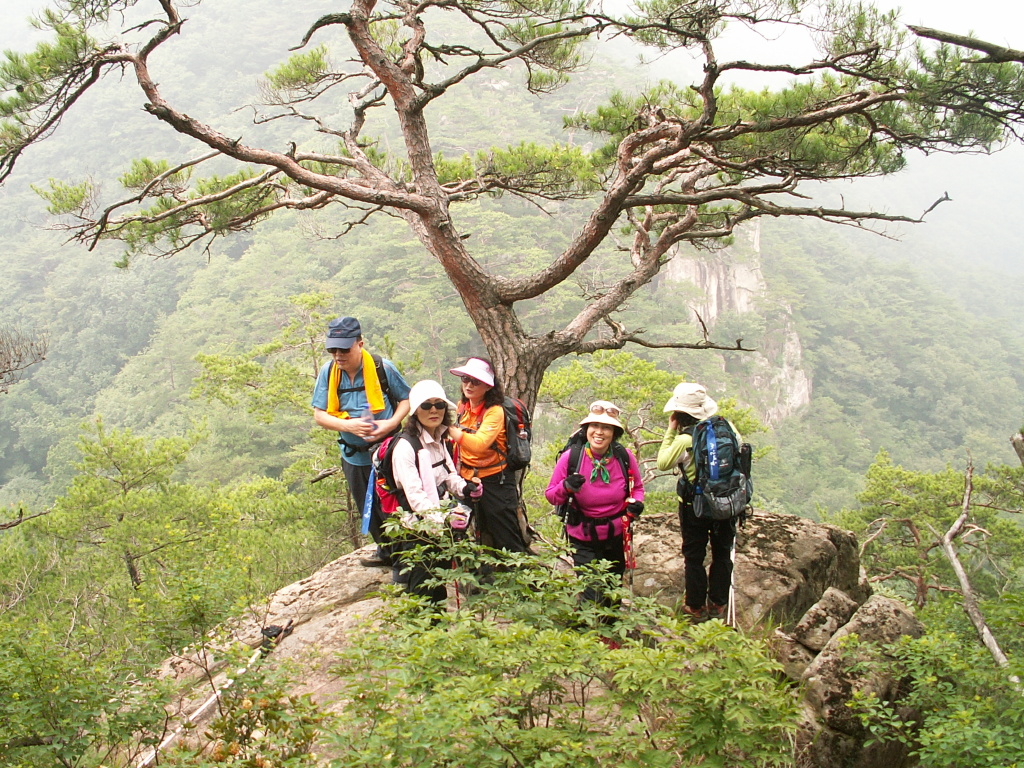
(805, 578)
(832, 736)
(800, 576)
(777, 373)
(784, 564)
(726, 283)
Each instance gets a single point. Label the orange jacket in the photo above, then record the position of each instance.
(484, 430)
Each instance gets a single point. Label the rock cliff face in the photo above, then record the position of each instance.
(802, 577)
(731, 282)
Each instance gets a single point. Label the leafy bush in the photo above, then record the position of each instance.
(967, 710)
(522, 673)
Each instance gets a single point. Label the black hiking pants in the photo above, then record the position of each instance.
(421, 567)
(585, 551)
(713, 584)
(497, 513)
(358, 479)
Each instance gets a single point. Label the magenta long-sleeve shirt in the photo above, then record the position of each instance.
(596, 499)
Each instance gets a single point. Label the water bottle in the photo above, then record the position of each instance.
(367, 415)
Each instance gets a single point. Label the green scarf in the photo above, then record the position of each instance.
(600, 466)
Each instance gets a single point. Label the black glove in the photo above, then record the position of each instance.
(574, 482)
(635, 508)
(473, 490)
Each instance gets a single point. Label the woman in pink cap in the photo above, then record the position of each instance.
(480, 435)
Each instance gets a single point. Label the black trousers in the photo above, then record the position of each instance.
(713, 584)
(358, 478)
(421, 568)
(585, 552)
(497, 513)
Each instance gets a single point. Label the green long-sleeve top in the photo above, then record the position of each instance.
(676, 449)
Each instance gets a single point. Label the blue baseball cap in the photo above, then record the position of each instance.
(342, 333)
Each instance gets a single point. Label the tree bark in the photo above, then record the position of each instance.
(133, 571)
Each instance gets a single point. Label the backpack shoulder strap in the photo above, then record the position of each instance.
(382, 377)
(414, 441)
(622, 454)
(575, 458)
(464, 408)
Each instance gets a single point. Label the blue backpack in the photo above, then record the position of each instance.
(722, 488)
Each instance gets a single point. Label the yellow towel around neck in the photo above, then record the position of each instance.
(371, 385)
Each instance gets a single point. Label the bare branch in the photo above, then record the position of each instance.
(996, 53)
(18, 352)
(971, 607)
(22, 518)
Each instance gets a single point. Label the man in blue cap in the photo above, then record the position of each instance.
(363, 398)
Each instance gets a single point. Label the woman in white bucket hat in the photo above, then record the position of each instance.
(426, 479)
(707, 591)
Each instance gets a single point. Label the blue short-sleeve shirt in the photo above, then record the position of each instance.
(354, 448)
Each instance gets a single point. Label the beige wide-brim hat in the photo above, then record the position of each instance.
(425, 390)
(693, 399)
(602, 418)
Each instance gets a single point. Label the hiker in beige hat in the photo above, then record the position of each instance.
(707, 592)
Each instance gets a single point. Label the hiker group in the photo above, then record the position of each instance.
(453, 461)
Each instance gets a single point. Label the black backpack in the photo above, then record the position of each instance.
(568, 512)
(721, 488)
(518, 434)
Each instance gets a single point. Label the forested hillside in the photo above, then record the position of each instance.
(160, 472)
(911, 344)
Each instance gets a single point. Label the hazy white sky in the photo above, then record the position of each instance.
(1000, 21)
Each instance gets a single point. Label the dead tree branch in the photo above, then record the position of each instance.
(970, 601)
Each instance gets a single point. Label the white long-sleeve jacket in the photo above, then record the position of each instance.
(433, 462)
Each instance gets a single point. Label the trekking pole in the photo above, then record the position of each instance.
(627, 550)
(270, 641)
(730, 611)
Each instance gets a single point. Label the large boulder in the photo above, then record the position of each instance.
(832, 736)
(784, 564)
(824, 618)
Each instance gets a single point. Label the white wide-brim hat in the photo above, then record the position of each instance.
(477, 369)
(693, 399)
(427, 390)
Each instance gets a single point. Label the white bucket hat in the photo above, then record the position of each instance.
(477, 369)
(693, 399)
(426, 390)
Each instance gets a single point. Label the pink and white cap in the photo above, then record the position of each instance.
(477, 369)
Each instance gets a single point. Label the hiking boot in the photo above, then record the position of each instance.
(377, 560)
(716, 611)
(695, 615)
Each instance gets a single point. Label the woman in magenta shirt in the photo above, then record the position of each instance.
(601, 482)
